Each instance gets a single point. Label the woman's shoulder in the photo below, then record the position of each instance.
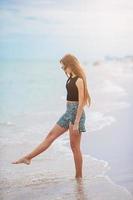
(79, 81)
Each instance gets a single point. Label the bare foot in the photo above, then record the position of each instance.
(22, 160)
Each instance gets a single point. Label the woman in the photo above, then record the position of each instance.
(74, 117)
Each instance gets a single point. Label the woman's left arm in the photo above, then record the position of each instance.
(80, 87)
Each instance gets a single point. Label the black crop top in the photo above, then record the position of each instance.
(72, 90)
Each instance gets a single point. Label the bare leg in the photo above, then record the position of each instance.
(55, 132)
(75, 139)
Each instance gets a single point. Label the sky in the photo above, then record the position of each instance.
(46, 29)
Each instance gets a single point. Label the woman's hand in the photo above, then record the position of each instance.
(76, 127)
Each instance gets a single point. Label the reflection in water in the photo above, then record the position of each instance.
(79, 190)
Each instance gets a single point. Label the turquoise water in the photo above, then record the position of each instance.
(27, 87)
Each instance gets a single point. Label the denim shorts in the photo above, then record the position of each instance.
(70, 115)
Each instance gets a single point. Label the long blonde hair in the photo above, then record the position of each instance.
(73, 63)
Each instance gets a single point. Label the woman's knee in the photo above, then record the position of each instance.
(50, 136)
(74, 146)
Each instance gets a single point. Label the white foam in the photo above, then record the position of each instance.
(97, 120)
(109, 87)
